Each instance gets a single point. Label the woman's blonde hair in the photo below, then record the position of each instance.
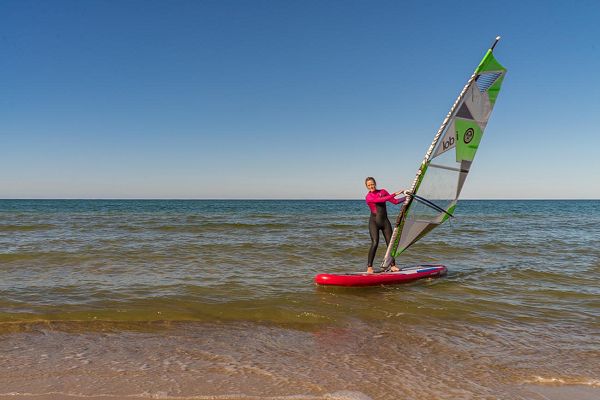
(370, 178)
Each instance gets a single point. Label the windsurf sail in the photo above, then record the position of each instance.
(440, 178)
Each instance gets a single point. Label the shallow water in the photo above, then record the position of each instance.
(215, 298)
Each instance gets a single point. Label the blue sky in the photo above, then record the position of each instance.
(289, 99)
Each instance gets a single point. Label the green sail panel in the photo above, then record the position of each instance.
(495, 89)
(468, 137)
(444, 170)
(489, 63)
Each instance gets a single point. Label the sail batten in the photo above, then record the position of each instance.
(450, 157)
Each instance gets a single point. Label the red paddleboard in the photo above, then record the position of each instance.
(382, 278)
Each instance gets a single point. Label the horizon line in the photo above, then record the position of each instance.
(265, 199)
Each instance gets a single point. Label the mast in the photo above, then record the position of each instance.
(416, 182)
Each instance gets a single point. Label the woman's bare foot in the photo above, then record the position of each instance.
(369, 270)
(393, 268)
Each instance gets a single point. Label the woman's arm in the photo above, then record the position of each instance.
(373, 198)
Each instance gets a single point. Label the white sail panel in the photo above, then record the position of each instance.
(447, 142)
(478, 104)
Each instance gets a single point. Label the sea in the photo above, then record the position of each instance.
(215, 299)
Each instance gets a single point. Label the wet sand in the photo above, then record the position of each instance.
(251, 361)
(535, 393)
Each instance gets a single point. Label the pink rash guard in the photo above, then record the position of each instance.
(380, 196)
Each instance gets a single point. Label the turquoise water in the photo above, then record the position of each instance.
(520, 304)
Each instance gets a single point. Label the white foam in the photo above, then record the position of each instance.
(565, 381)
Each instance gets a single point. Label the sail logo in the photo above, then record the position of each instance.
(469, 134)
(446, 144)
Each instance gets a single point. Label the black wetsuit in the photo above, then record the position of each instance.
(377, 222)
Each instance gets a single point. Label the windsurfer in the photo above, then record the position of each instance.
(379, 221)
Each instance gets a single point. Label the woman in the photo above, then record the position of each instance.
(376, 200)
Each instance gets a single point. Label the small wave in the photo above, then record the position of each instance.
(565, 381)
(217, 226)
(26, 228)
(179, 228)
(343, 226)
(493, 246)
(471, 231)
(8, 257)
(441, 248)
(289, 248)
(264, 215)
(41, 324)
(341, 395)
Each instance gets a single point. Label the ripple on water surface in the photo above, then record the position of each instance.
(227, 288)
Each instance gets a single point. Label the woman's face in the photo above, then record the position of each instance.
(371, 185)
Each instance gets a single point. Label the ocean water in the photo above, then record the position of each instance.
(215, 299)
